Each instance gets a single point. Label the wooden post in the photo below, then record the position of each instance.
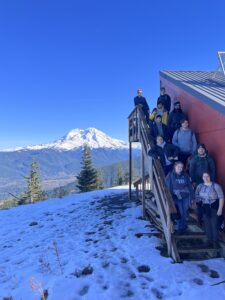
(151, 174)
(130, 169)
(143, 183)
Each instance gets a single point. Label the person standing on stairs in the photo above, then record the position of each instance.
(185, 139)
(166, 153)
(159, 110)
(182, 192)
(140, 100)
(175, 116)
(201, 162)
(164, 99)
(158, 128)
(211, 197)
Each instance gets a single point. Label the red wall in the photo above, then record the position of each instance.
(207, 123)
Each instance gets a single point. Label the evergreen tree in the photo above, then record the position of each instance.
(33, 192)
(119, 179)
(87, 178)
(100, 184)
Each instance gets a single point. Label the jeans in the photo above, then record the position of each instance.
(211, 225)
(183, 206)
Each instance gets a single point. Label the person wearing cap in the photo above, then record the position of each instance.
(160, 110)
(201, 162)
(140, 100)
(174, 119)
(164, 99)
(167, 154)
(158, 128)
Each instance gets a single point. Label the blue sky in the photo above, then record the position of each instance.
(77, 63)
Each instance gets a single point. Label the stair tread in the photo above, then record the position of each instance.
(197, 250)
(191, 235)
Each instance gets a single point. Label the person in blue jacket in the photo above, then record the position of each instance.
(182, 192)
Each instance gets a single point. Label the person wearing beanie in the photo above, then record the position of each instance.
(174, 119)
(158, 128)
(184, 138)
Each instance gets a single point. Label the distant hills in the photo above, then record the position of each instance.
(59, 161)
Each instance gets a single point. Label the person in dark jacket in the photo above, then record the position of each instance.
(164, 99)
(158, 128)
(200, 163)
(165, 152)
(182, 192)
(140, 100)
(174, 119)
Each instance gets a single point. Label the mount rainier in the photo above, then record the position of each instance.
(59, 161)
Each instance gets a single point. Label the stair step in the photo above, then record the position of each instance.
(198, 250)
(191, 235)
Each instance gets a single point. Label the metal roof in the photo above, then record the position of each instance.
(201, 84)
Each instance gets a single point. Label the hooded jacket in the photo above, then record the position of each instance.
(163, 153)
(179, 186)
(199, 165)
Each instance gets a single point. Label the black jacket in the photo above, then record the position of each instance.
(174, 119)
(141, 101)
(166, 101)
(198, 165)
(169, 150)
(155, 132)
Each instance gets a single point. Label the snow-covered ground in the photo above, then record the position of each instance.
(84, 247)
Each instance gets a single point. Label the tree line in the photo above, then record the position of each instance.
(88, 179)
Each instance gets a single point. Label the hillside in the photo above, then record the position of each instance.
(87, 246)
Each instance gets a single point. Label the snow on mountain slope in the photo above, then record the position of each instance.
(99, 254)
(76, 138)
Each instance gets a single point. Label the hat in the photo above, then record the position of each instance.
(201, 146)
(158, 116)
(177, 102)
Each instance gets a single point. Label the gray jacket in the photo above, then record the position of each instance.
(185, 139)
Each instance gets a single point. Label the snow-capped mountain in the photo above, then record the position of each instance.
(76, 138)
(60, 161)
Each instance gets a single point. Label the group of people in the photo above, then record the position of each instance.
(189, 169)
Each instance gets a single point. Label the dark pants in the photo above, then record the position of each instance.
(211, 225)
(182, 205)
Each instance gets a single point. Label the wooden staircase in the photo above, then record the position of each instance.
(157, 202)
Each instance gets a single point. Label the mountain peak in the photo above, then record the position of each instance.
(76, 138)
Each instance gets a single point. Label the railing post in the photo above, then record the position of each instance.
(130, 169)
(151, 174)
(143, 183)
